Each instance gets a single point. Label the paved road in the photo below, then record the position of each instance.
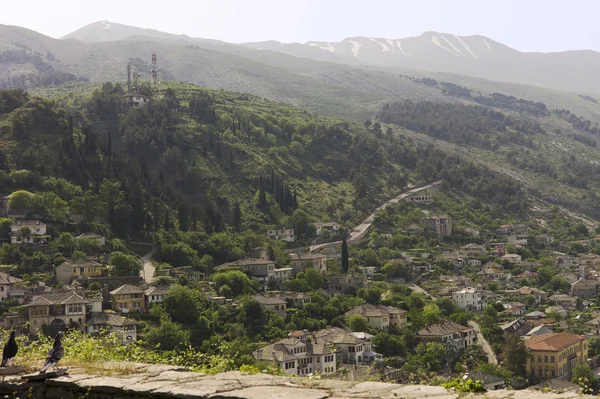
(360, 231)
(484, 344)
(148, 269)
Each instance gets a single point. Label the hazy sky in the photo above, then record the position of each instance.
(527, 25)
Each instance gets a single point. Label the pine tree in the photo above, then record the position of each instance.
(167, 224)
(262, 195)
(272, 182)
(183, 215)
(345, 256)
(237, 216)
(295, 200)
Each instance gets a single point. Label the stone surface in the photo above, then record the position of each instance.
(165, 382)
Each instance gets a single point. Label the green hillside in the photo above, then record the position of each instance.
(203, 158)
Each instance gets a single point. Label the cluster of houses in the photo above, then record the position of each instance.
(73, 306)
(304, 352)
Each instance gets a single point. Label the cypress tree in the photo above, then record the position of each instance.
(183, 215)
(167, 223)
(345, 256)
(237, 216)
(295, 200)
(272, 182)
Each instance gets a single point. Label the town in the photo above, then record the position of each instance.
(412, 294)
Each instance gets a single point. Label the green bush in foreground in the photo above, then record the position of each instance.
(86, 350)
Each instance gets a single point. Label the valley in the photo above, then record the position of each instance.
(420, 210)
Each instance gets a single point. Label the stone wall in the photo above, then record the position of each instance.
(162, 382)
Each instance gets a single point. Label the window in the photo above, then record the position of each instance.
(551, 359)
(553, 373)
(539, 359)
(540, 371)
(545, 359)
(75, 308)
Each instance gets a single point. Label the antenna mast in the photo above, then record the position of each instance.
(136, 86)
(154, 72)
(128, 78)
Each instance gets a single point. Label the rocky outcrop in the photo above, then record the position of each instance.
(162, 382)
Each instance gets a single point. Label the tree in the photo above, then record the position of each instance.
(515, 355)
(358, 323)
(345, 256)
(301, 223)
(585, 377)
(167, 336)
(237, 217)
(88, 205)
(594, 346)
(431, 313)
(21, 201)
(184, 304)
(254, 317)
(236, 281)
(5, 228)
(389, 345)
(178, 255)
(125, 265)
(25, 233)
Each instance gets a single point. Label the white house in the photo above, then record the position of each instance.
(155, 295)
(282, 234)
(470, 297)
(108, 322)
(28, 232)
(8, 284)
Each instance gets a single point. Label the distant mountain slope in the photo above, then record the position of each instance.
(350, 92)
(470, 55)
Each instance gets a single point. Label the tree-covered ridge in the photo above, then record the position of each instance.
(459, 123)
(199, 159)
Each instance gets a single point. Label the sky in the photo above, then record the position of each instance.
(527, 25)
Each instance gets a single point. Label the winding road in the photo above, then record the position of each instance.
(360, 231)
(484, 344)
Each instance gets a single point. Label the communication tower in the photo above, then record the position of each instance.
(128, 78)
(154, 72)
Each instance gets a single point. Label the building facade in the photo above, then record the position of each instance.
(299, 356)
(122, 326)
(57, 310)
(28, 232)
(468, 298)
(78, 269)
(442, 225)
(450, 334)
(283, 234)
(585, 289)
(555, 355)
(381, 317)
(127, 298)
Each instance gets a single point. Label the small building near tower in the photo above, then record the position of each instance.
(136, 100)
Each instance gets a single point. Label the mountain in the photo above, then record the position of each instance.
(105, 31)
(348, 92)
(469, 55)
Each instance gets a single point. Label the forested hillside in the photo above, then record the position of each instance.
(213, 160)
